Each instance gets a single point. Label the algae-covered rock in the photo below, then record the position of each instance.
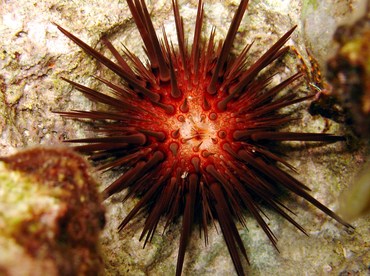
(349, 72)
(355, 201)
(50, 214)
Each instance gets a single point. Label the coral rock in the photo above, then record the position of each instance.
(50, 214)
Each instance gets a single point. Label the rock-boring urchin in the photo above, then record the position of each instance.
(194, 131)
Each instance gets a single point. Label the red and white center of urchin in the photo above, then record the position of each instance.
(194, 131)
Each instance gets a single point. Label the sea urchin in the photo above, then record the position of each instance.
(193, 129)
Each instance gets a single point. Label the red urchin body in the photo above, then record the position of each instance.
(192, 131)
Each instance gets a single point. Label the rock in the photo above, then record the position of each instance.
(50, 214)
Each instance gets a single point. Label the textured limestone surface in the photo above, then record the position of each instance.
(34, 55)
(50, 214)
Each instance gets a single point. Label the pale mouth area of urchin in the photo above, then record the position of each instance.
(197, 132)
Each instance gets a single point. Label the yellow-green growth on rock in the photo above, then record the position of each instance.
(50, 214)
